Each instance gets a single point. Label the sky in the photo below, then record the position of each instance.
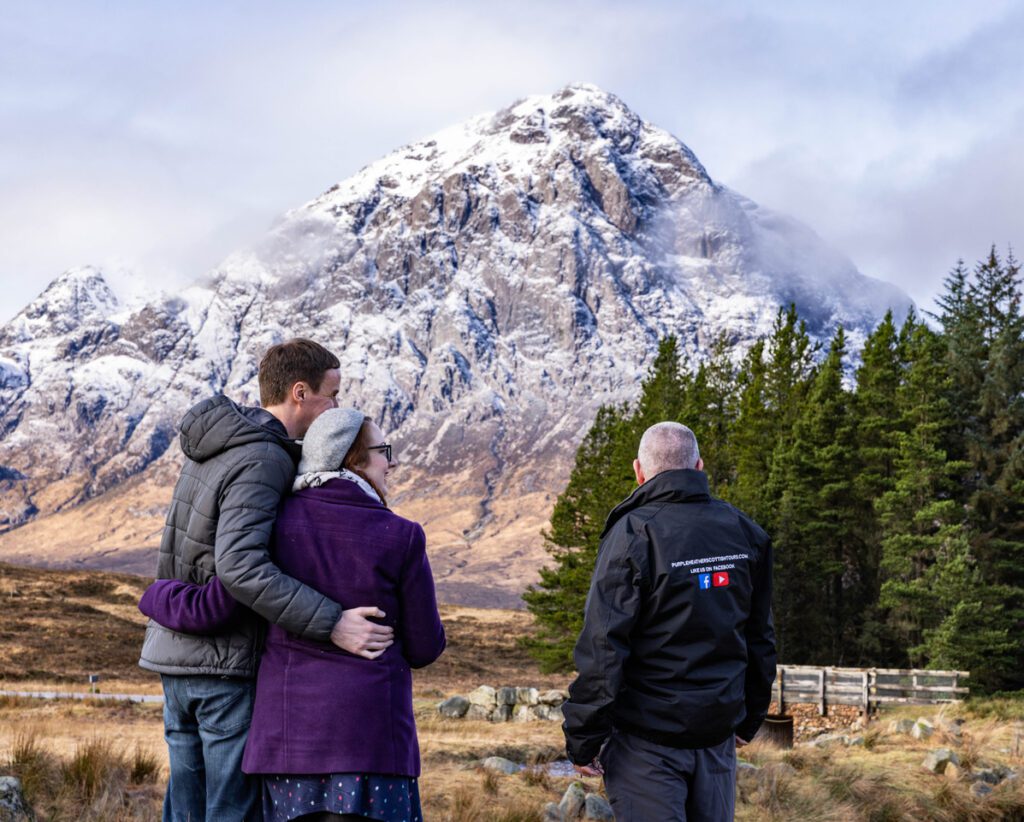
(154, 139)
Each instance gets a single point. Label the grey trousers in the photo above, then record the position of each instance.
(647, 782)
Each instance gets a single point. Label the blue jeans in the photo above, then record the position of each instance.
(206, 722)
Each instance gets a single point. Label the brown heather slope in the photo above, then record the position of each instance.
(60, 626)
(483, 557)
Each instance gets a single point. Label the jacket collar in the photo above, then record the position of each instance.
(678, 485)
(338, 490)
(217, 424)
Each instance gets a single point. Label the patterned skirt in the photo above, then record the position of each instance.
(375, 796)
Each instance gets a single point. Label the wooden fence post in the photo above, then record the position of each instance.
(821, 692)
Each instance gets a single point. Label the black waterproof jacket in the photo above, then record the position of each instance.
(677, 644)
(240, 462)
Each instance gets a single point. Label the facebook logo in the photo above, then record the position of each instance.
(705, 581)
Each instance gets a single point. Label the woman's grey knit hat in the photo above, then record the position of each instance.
(328, 439)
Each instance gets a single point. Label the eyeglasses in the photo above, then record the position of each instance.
(385, 447)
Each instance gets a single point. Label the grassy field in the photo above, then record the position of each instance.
(93, 760)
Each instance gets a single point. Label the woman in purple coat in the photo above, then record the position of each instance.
(333, 734)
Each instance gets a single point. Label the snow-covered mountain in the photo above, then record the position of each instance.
(485, 289)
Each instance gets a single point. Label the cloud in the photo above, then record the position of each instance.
(171, 135)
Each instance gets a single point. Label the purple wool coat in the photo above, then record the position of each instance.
(318, 708)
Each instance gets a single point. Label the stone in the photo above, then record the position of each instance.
(552, 697)
(855, 741)
(506, 696)
(454, 707)
(981, 789)
(825, 740)
(573, 801)
(551, 813)
(479, 712)
(498, 764)
(938, 759)
(987, 775)
(548, 712)
(526, 696)
(952, 727)
(953, 771)
(13, 807)
(503, 713)
(596, 807)
(523, 713)
(485, 695)
(922, 729)
(901, 726)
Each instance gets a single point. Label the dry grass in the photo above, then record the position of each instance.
(883, 781)
(93, 760)
(97, 783)
(61, 626)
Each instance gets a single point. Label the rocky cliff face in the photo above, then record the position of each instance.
(485, 290)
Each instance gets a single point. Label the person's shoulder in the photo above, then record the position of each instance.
(745, 521)
(403, 525)
(261, 460)
(631, 524)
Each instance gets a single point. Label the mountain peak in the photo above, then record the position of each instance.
(484, 289)
(77, 297)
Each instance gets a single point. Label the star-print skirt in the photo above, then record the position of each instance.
(373, 795)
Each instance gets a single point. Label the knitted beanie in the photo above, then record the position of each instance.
(329, 438)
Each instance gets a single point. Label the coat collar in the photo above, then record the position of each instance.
(678, 485)
(340, 491)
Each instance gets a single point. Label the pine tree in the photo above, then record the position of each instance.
(816, 557)
(969, 577)
(920, 516)
(709, 409)
(878, 424)
(774, 381)
(961, 327)
(664, 387)
(752, 438)
(995, 447)
(978, 632)
(601, 478)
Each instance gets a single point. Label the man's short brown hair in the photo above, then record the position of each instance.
(284, 364)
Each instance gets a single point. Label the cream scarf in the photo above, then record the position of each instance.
(314, 479)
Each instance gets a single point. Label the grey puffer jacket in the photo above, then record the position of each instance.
(240, 463)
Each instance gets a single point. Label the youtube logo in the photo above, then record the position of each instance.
(720, 579)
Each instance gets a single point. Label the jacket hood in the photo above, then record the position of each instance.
(678, 485)
(217, 424)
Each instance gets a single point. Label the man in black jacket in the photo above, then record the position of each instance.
(677, 654)
(239, 463)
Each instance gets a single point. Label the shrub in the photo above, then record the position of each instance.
(145, 766)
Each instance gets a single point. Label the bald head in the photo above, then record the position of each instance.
(664, 447)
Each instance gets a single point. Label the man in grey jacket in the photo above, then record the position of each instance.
(240, 462)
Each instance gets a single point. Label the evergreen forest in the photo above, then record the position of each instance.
(893, 489)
